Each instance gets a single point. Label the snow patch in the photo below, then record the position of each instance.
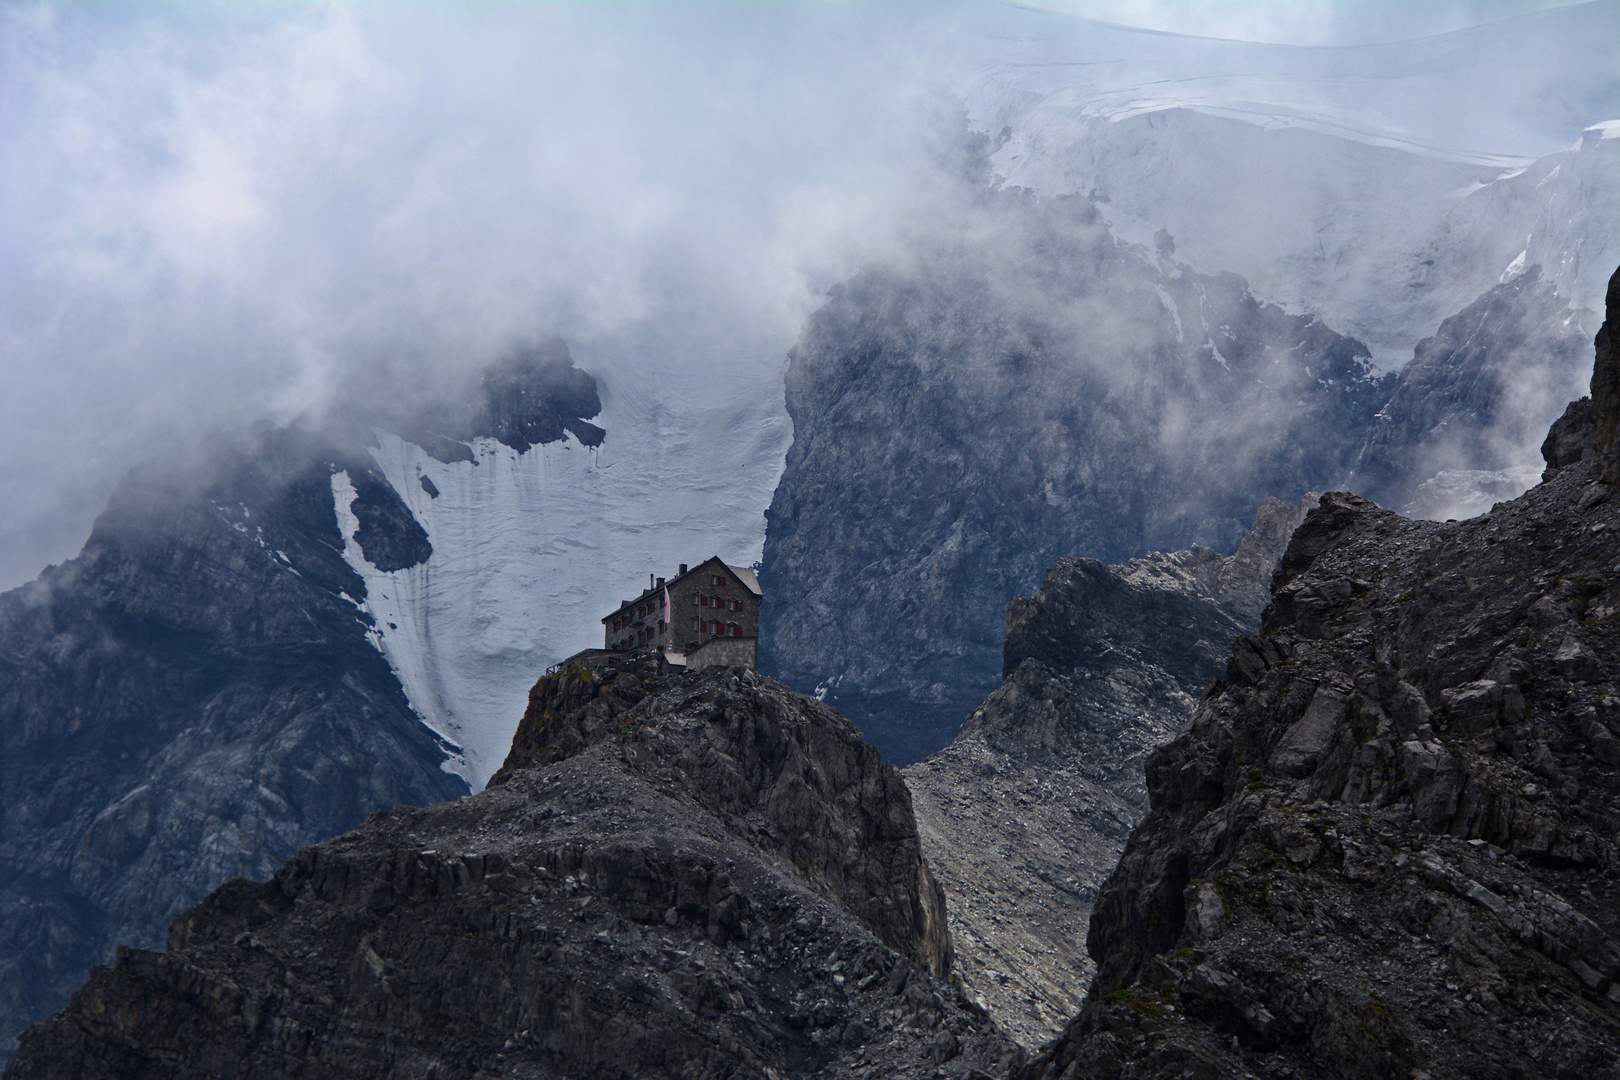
(1608, 129)
(1170, 306)
(530, 550)
(1514, 268)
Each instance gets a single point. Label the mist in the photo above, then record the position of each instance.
(217, 214)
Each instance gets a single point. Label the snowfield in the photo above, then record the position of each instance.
(531, 549)
(1380, 187)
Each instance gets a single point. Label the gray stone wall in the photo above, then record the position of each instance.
(700, 609)
(725, 652)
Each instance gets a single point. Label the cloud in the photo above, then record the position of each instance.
(214, 213)
(1300, 22)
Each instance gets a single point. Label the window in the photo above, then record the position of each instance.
(695, 625)
(703, 601)
(716, 579)
(736, 631)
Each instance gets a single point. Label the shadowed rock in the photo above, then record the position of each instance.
(1025, 813)
(675, 875)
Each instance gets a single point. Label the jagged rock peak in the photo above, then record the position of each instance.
(963, 420)
(1476, 394)
(530, 396)
(1590, 427)
(1606, 381)
(190, 699)
(784, 770)
(1384, 843)
(677, 875)
(1105, 663)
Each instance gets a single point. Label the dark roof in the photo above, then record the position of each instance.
(742, 573)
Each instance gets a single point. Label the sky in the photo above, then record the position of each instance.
(210, 214)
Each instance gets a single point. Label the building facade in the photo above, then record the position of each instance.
(681, 615)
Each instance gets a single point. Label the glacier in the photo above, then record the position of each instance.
(531, 549)
(1339, 182)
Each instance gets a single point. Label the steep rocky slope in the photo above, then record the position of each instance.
(197, 695)
(1474, 402)
(1041, 389)
(1034, 391)
(1385, 843)
(683, 875)
(1027, 810)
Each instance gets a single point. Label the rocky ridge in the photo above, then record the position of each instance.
(683, 875)
(1475, 396)
(1385, 842)
(1041, 391)
(1026, 812)
(963, 420)
(196, 695)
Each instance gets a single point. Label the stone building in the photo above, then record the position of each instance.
(705, 615)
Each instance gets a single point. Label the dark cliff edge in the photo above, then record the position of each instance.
(674, 875)
(1385, 844)
(1044, 389)
(1026, 812)
(194, 697)
(1473, 398)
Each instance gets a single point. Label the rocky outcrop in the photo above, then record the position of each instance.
(1045, 390)
(1476, 397)
(532, 396)
(675, 875)
(1385, 843)
(197, 695)
(1025, 813)
(1606, 386)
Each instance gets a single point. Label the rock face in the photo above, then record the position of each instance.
(1476, 399)
(197, 695)
(1385, 844)
(1048, 390)
(1045, 391)
(1027, 810)
(682, 875)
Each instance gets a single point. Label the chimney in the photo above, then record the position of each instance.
(660, 583)
(649, 583)
(683, 568)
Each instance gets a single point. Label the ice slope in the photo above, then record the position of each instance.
(1382, 187)
(1498, 94)
(531, 549)
(1382, 244)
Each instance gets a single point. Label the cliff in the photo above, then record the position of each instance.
(1038, 391)
(1027, 810)
(199, 693)
(682, 875)
(1385, 842)
(1041, 389)
(1475, 397)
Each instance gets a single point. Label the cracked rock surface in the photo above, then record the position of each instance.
(675, 875)
(1026, 812)
(1385, 845)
